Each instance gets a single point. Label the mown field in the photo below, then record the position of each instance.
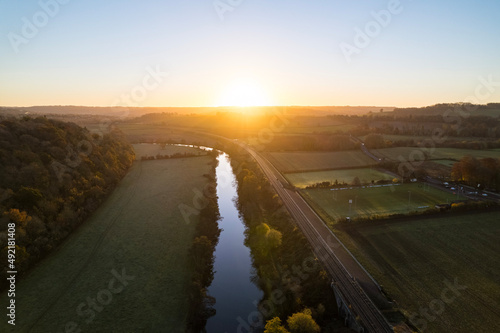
(375, 200)
(310, 161)
(366, 175)
(416, 260)
(138, 232)
(437, 154)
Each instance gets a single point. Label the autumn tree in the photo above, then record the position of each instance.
(474, 171)
(303, 322)
(274, 238)
(274, 326)
(53, 176)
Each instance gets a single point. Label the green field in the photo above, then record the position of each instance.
(376, 200)
(309, 161)
(366, 175)
(448, 163)
(160, 132)
(413, 259)
(437, 154)
(146, 149)
(395, 137)
(139, 230)
(419, 138)
(319, 129)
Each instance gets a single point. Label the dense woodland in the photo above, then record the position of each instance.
(53, 176)
(482, 173)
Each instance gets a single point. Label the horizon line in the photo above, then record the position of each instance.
(230, 106)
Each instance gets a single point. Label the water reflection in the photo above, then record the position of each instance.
(236, 296)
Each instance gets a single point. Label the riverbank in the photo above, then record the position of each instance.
(287, 271)
(233, 289)
(128, 260)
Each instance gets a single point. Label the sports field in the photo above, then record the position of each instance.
(436, 154)
(383, 199)
(417, 261)
(310, 161)
(365, 175)
(125, 269)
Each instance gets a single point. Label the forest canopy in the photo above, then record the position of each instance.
(53, 176)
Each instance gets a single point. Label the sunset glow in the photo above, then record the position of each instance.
(208, 166)
(247, 53)
(244, 92)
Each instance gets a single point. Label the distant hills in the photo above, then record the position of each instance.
(139, 111)
(491, 109)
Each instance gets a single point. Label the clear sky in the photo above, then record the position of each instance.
(274, 52)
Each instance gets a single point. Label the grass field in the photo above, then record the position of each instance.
(160, 132)
(413, 259)
(376, 200)
(319, 129)
(146, 149)
(438, 154)
(394, 137)
(139, 230)
(418, 138)
(448, 163)
(366, 175)
(309, 161)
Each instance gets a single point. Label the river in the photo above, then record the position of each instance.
(235, 294)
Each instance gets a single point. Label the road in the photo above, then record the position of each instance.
(364, 149)
(464, 190)
(350, 277)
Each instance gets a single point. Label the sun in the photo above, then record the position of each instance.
(244, 92)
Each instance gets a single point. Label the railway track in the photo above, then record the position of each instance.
(362, 307)
(358, 301)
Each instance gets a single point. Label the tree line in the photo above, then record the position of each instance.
(54, 175)
(452, 125)
(287, 271)
(377, 141)
(483, 173)
(166, 156)
(201, 256)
